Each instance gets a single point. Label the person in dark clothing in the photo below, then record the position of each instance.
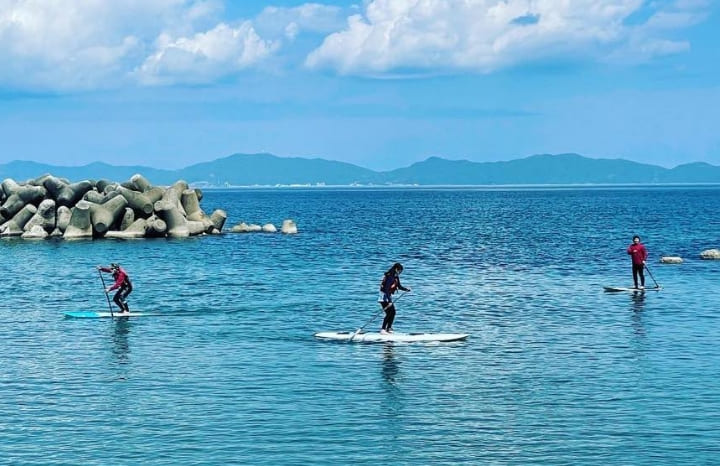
(639, 255)
(122, 284)
(389, 285)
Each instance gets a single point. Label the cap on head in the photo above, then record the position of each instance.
(398, 266)
(114, 265)
(636, 237)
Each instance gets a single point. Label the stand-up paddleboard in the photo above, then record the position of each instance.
(615, 289)
(373, 337)
(99, 315)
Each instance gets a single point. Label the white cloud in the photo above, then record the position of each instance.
(204, 56)
(86, 44)
(89, 44)
(485, 35)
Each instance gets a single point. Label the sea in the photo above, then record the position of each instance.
(555, 370)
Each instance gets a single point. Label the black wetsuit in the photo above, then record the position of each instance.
(390, 284)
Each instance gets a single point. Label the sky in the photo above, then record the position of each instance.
(378, 83)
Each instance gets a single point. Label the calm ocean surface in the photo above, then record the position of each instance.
(555, 372)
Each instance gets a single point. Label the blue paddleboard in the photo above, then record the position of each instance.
(102, 314)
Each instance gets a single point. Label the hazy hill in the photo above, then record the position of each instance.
(267, 169)
(21, 171)
(537, 169)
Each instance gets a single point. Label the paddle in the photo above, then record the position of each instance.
(105, 291)
(375, 316)
(651, 276)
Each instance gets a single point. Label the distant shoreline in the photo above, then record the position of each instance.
(267, 170)
(455, 187)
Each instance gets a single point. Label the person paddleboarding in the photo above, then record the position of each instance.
(638, 254)
(389, 285)
(122, 284)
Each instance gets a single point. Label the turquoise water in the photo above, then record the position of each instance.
(555, 370)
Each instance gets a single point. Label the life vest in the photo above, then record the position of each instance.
(389, 283)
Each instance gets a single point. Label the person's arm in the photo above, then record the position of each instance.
(645, 254)
(400, 287)
(104, 269)
(630, 249)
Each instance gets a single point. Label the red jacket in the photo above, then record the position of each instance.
(638, 253)
(120, 277)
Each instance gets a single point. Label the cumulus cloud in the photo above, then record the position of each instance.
(486, 35)
(89, 44)
(79, 44)
(204, 56)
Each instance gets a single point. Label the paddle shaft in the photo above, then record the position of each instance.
(105, 291)
(375, 316)
(651, 276)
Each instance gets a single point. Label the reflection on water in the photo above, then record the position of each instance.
(637, 305)
(393, 403)
(390, 366)
(638, 301)
(121, 347)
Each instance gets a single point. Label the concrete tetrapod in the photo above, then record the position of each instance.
(20, 197)
(127, 219)
(156, 227)
(154, 194)
(9, 186)
(94, 197)
(174, 193)
(137, 201)
(79, 225)
(14, 226)
(44, 217)
(196, 227)
(170, 214)
(31, 194)
(36, 232)
(12, 205)
(191, 204)
(710, 254)
(218, 218)
(142, 184)
(136, 230)
(104, 216)
(62, 217)
(56, 188)
(245, 228)
(74, 194)
(100, 185)
(289, 227)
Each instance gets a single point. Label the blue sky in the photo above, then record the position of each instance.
(378, 83)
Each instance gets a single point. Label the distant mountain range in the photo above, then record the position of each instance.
(270, 170)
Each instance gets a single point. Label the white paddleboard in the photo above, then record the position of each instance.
(615, 289)
(373, 337)
(102, 314)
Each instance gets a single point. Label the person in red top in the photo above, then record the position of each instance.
(639, 255)
(122, 284)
